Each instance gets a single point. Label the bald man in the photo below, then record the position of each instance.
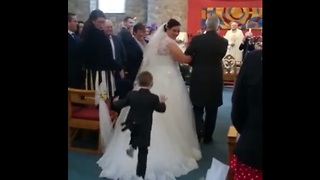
(234, 37)
(117, 46)
(123, 86)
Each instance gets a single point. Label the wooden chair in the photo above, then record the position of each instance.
(232, 140)
(83, 114)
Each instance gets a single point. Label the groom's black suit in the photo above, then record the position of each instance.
(206, 82)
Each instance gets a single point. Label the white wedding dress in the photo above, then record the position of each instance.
(174, 149)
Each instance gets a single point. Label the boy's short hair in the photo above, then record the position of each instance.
(145, 79)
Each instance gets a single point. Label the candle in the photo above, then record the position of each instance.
(250, 30)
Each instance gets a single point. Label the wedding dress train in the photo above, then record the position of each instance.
(174, 148)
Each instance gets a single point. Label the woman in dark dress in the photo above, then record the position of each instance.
(97, 54)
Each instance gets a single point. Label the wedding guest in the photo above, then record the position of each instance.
(126, 37)
(134, 51)
(139, 120)
(247, 44)
(147, 35)
(75, 73)
(123, 86)
(79, 28)
(246, 115)
(97, 54)
(150, 29)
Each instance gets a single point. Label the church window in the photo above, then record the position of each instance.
(112, 6)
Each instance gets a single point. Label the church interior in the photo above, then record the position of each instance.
(192, 14)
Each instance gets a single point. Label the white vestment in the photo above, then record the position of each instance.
(235, 37)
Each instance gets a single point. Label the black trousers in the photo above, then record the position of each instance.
(205, 128)
(142, 150)
(123, 86)
(142, 161)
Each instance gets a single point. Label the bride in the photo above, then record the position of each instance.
(174, 148)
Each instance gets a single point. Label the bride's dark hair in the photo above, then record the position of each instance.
(170, 24)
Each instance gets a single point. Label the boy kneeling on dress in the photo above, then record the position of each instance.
(139, 120)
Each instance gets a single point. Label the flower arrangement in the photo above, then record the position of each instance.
(104, 96)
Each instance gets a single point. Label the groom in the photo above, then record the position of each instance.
(206, 82)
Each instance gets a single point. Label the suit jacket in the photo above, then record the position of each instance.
(120, 52)
(246, 47)
(75, 73)
(206, 81)
(133, 52)
(246, 111)
(97, 51)
(142, 105)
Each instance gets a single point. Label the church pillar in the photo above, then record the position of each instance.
(160, 11)
(138, 9)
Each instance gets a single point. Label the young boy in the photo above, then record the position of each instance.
(139, 120)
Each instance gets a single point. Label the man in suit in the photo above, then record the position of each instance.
(206, 82)
(125, 32)
(246, 112)
(134, 53)
(134, 50)
(139, 120)
(123, 86)
(75, 72)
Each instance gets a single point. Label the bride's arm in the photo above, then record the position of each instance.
(177, 53)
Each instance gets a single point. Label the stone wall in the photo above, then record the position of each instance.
(146, 11)
(163, 10)
(80, 7)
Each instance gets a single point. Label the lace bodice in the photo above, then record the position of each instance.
(163, 47)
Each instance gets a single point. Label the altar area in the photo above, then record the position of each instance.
(231, 69)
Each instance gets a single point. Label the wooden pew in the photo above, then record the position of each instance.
(232, 140)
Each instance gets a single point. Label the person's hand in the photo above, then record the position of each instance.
(162, 98)
(122, 74)
(115, 99)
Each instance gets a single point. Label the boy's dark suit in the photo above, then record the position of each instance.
(139, 120)
(206, 82)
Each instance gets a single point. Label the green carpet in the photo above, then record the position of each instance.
(83, 166)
